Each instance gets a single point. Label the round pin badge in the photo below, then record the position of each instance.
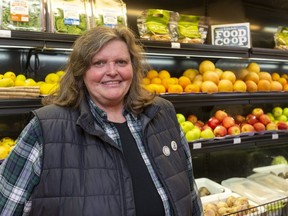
(166, 150)
(174, 145)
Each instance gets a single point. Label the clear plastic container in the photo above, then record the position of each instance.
(23, 15)
(108, 13)
(252, 190)
(69, 17)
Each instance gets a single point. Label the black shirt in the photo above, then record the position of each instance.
(146, 196)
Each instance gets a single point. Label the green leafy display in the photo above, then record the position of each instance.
(188, 26)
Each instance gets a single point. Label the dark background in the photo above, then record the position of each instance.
(264, 16)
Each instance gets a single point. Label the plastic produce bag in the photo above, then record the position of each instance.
(281, 38)
(69, 17)
(22, 15)
(158, 24)
(108, 13)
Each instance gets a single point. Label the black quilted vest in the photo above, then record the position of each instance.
(84, 173)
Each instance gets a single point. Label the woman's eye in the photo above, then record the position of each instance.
(99, 63)
(122, 62)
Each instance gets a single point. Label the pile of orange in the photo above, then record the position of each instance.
(210, 79)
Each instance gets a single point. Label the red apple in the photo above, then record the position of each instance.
(259, 126)
(251, 119)
(257, 112)
(239, 119)
(228, 121)
(234, 130)
(199, 124)
(213, 122)
(192, 118)
(220, 115)
(206, 126)
(247, 128)
(271, 126)
(282, 125)
(264, 118)
(220, 131)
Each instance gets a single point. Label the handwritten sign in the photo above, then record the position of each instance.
(237, 34)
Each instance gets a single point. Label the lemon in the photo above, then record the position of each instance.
(6, 82)
(39, 83)
(60, 73)
(52, 78)
(30, 82)
(48, 88)
(19, 82)
(4, 151)
(10, 74)
(21, 77)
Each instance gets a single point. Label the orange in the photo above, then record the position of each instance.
(225, 86)
(190, 73)
(264, 85)
(209, 87)
(285, 87)
(152, 74)
(239, 86)
(176, 88)
(192, 88)
(145, 81)
(155, 88)
(206, 65)
(156, 80)
(160, 89)
(167, 81)
(164, 74)
(197, 82)
(228, 75)
(175, 79)
(218, 71)
(253, 67)
(251, 86)
(198, 77)
(184, 81)
(265, 75)
(282, 80)
(276, 86)
(275, 76)
(240, 74)
(212, 76)
(252, 76)
(284, 76)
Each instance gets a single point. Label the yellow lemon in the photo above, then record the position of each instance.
(19, 82)
(48, 88)
(21, 77)
(10, 74)
(6, 82)
(4, 151)
(52, 78)
(60, 73)
(30, 82)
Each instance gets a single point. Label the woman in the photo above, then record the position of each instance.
(101, 145)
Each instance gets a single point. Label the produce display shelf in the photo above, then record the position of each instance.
(16, 106)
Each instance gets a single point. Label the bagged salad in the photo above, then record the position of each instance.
(69, 16)
(22, 15)
(158, 24)
(281, 38)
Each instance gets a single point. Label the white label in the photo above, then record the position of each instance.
(175, 45)
(231, 35)
(275, 136)
(237, 140)
(197, 145)
(5, 33)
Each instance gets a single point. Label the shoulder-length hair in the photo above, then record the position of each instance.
(72, 89)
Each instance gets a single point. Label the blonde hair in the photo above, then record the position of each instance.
(72, 88)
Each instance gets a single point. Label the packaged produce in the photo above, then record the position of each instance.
(22, 15)
(191, 29)
(281, 38)
(69, 17)
(252, 190)
(158, 24)
(280, 170)
(108, 13)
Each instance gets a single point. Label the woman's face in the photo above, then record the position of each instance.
(110, 75)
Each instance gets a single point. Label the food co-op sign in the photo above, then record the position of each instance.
(231, 35)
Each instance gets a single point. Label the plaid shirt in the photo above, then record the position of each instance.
(20, 171)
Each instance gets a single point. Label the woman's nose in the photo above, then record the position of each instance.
(112, 69)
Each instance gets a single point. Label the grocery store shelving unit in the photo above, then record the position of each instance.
(203, 151)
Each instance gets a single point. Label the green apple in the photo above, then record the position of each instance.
(271, 116)
(180, 117)
(207, 133)
(285, 111)
(193, 134)
(186, 126)
(282, 118)
(277, 111)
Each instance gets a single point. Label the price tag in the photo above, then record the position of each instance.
(175, 45)
(237, 140)
(237, 34)
(275, 136)
(5, 33)
(197, 145)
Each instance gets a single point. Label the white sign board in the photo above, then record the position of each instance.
(235, 34)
